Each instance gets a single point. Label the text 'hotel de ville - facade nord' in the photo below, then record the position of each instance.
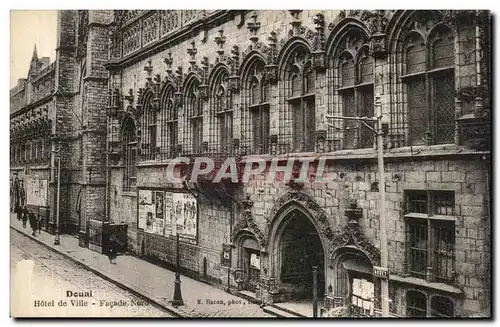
(132, 91)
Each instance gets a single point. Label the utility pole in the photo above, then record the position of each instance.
(381, 272)
(58, 153)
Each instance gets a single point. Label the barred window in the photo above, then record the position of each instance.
(130, 154)
(148, 140)
(430, 84)
(431, 234)
(442, 307)
(169, 119)
(355, 87)
(301, 99)
(416, 304)
(194, 110)
(259, 108)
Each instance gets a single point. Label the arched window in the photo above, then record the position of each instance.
(129, 139)
(258, 107)
(169, 119)
(194, 110)
(442, 307)
(429, 76)
(222, 107)
(416, 304)
(355, 88)
(300, 78)
(148, 141)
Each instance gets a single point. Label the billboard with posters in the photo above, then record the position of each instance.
(168, 214)
(36, 191)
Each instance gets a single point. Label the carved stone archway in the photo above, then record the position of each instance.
(317, 214)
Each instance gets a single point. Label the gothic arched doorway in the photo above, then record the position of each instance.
(248, 254)
(353, 282)
(297, 248)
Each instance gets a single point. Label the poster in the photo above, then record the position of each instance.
(168, 214)
(170, 223)
(145, 210)
(36, 191)
(186, 213)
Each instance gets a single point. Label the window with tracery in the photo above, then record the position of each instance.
(300, 80)
(170, 123)
(355, 89)
(129, 138)
(429, 78)
(194, 109)
(258, 106)
(222, 107)
(148, 140)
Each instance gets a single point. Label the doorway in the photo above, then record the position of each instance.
(300, 249)
(250, 257)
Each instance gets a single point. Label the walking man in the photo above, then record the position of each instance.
(24, 215)
(33, 222)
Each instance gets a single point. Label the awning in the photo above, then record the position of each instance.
(358, 266)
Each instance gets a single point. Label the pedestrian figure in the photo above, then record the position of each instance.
(33, 222)
(39, 224)
(19, 212)
(112, 249)
(24, 214)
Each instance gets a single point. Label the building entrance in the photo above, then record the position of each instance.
(300, 249)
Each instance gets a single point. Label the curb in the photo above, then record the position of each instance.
(141, 294)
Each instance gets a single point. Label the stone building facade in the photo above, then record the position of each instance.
(151, 86)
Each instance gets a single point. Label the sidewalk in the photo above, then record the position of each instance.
(149, 281)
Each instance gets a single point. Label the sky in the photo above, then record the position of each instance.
(27, 28)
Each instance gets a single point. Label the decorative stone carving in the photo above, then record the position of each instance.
(220, 40)
(309, 204)
(353, 235)
(271, 69)
(169, 21)
(150, 29)
(247, 221)
(234, 79)
(192, 54)
(377, 46)
(253, 27)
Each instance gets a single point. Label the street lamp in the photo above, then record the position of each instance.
(381, 130)
(177, 283)
(58, 153)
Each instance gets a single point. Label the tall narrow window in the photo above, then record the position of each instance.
(194, 108)
(169, 118)
(430, 85)
(222, 102)
(259, 108)
(355, 88)
(431, 229)
(148, 141)
(129, 158)
(301, 99)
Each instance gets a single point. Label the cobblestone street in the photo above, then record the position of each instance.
(52, 275)
(200, 300)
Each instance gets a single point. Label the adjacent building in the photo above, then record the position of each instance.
(134, 90)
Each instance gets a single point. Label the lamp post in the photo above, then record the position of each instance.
(315, 291)
(58, 153)
(177, 283)
(381, 272)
